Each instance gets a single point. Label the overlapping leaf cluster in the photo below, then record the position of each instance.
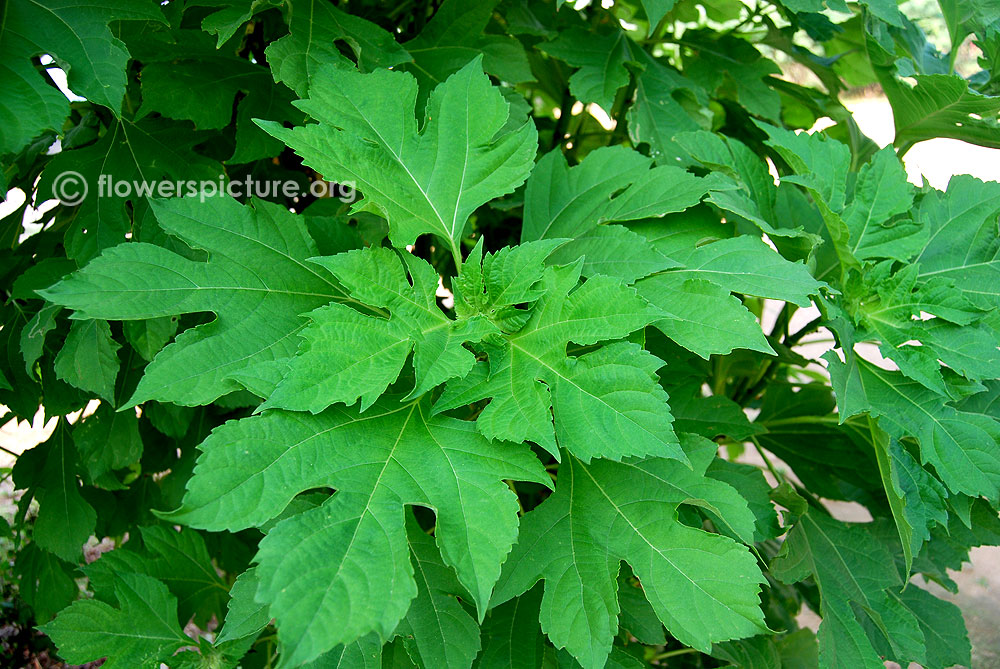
(514, 406)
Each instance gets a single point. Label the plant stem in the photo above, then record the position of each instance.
(456, 255)
(767, 461)
(902, 150)
(744, 396)
(565, 112)
(622, 109)
(674, 653)
(718, 376)
(810, 498)
(804, 420)
(780, 328)
(811, 326)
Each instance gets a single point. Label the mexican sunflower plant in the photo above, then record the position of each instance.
(454, 333)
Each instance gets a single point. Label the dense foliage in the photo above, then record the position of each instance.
(501, 397)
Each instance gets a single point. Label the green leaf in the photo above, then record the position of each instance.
(954, 336)
(79, 39)
(255, 280)
(456, 35)
(24, 401)
(757, 652)
(728, 508)
(751, 193)
(34, 333)
(437, 631)
(49, 472)
(848, 567)
(107, 440)
(604, 403)
(965, 17)
(614, 250)
(946, 641)
(150, 151)
(988, 42)
(986, 402)
(601, 59)
(941, 105)
(963, 447)
(170, 419)
(819, 162)
(710, 416)
(866, 222)
(703, 587)
(656, 10)
(656, 115)
(916, 498)
(611, 184)
(747, 265)
(245, 616)
(314, 29)
(405, 451)
(730, 63)
(88, 358)
(496, 285)
(427, 182)
(365, 653)
(181, 561)
(214, 84)
(702, 316)
(31, 105)
(148, 337)
(974, 526)
(394, 656)
(45, 582)
(678, 235)
(142, 631)
(225, 22)
(962, 244)
(512, 638)
(750, 483)
(637, 614)
(881, 193)
(851, 566)
(797, 650)
(346, 354)
(886, 10)
(203, 91)
(618, 659)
